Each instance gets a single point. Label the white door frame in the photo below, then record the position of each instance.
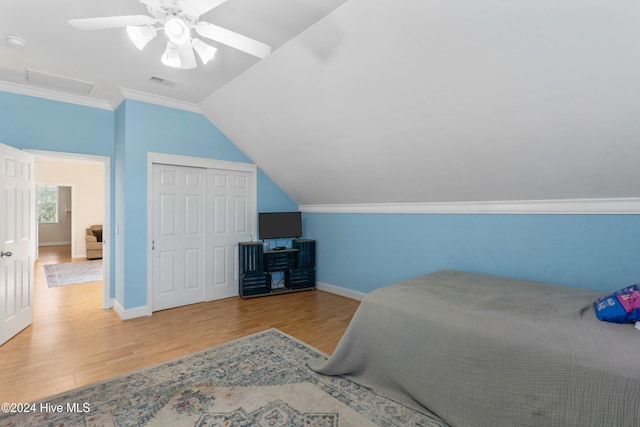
(107, 301)
(197, 162)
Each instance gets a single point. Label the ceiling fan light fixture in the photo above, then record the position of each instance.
(177, 31)
(176, 18)
(205, 51)
(141, 35)
(171, 56)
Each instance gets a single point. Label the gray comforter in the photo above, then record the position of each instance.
(480, 350)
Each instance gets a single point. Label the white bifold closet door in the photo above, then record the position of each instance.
(231, 214)
(179, 233)
(199, 216)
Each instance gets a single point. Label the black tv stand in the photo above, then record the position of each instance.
(257, 265)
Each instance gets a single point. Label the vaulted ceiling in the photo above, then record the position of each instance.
(374, 101)
(110, 62)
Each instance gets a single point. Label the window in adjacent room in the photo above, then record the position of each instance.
(47, 200)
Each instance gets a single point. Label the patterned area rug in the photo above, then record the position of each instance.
(259, 380)
(72, 273)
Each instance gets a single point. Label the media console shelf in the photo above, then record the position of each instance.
(257, 265)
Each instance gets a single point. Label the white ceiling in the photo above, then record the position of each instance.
(108, 59)
(381, 101)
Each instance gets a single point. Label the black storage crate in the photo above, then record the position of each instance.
(253, 279)
(300, 279)
(252, 284)
(251, 259)
(306, 253)
(280, 260)
(255, 266)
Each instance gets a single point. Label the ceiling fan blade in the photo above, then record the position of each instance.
(111, 22)
(235, 40)
(202, 6)
(187, 57)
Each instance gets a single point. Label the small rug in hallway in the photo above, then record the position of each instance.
(259, 380)
(72, 273)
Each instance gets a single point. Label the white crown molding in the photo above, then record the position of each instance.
(611, 206)
(53, 95)
(112, 104)
(159, 100)
(116, 99)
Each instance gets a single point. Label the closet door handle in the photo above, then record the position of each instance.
(5, 254)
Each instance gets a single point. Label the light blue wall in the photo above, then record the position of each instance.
(39, 124)
(152, 128)
(124, 135)
(271, 198)
(356, 251)
(363, 252)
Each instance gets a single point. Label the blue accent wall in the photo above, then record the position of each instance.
(273, 199)
(40, 124)
(153, 128)
(125, 135)
(363, 252)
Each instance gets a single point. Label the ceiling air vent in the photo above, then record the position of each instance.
(58, 82)
(161, 81)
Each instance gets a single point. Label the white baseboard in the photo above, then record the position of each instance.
(130, 313)
(349, 293)
(54, 243)
(143, 311)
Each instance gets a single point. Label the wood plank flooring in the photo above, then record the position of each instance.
(73, 342)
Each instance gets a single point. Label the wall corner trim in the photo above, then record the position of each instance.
(129, 313)
(604, 206)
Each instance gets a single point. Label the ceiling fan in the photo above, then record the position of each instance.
(177, 18)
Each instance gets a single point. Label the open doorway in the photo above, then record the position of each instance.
(86, 181)
(54, 216)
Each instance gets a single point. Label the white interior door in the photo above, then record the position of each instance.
(178, 236)
(17, 241)
(231, 215)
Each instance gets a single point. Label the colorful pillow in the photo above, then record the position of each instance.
(620, 307)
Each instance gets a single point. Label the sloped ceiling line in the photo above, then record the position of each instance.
(445, 102)
(416, 102)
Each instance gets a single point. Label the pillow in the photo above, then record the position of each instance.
(98, 234)
(620, 307)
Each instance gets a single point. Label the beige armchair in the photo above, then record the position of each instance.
(94, 242)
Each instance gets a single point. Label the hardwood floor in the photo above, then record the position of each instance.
(74, 342)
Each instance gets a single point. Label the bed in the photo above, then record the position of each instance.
(479, 350)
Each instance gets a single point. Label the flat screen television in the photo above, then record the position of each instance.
(279, 225)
